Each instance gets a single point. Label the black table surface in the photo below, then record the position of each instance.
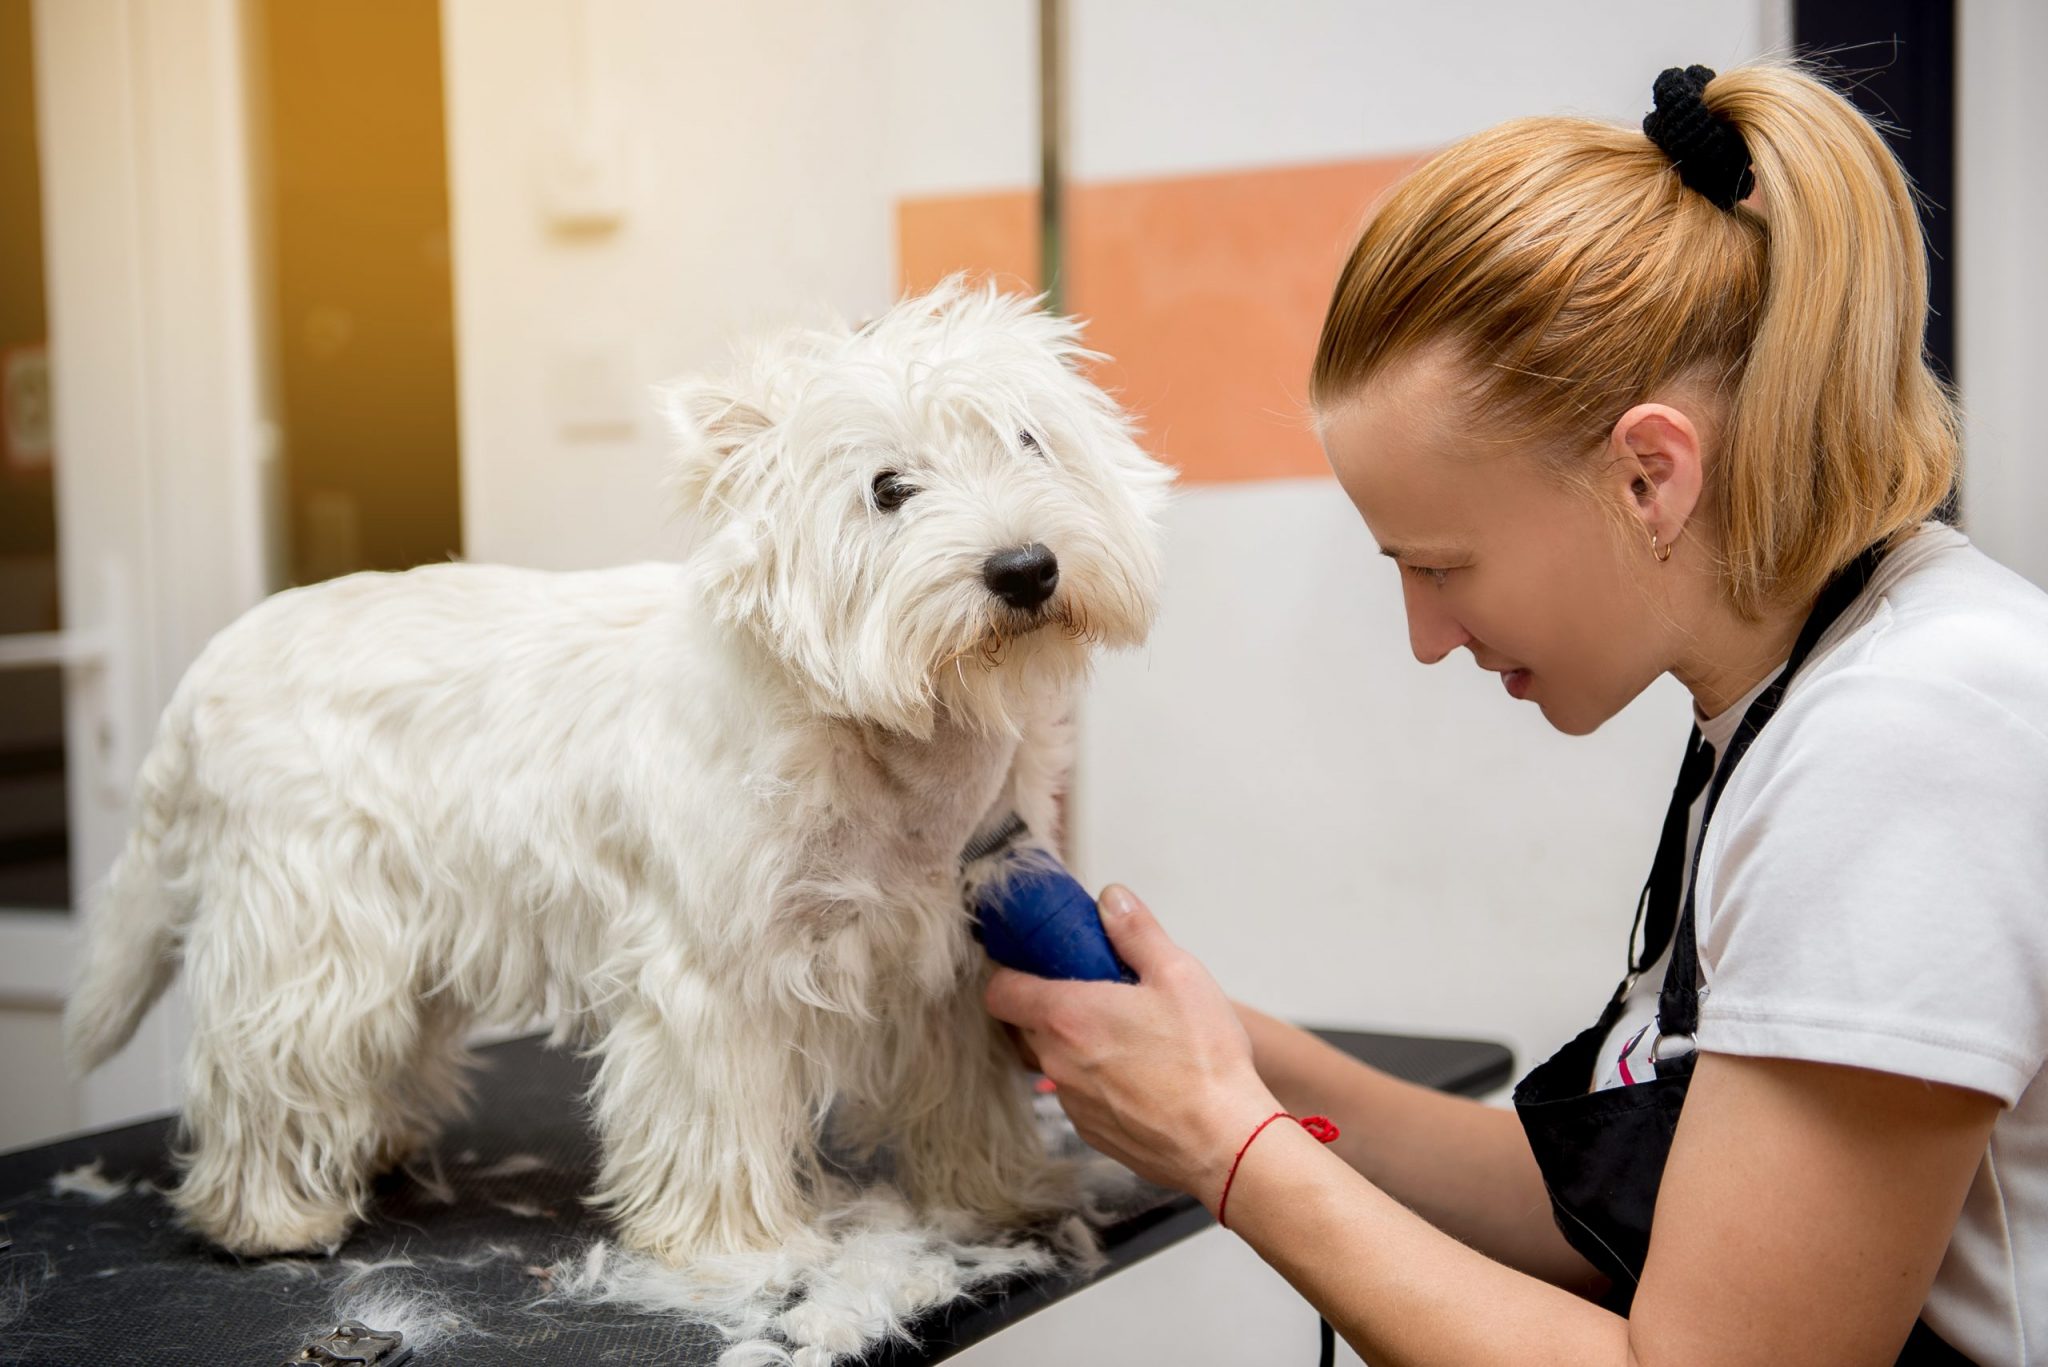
(90, 1282)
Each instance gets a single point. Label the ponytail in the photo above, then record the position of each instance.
(1840, 434)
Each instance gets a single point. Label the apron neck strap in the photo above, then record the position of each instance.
(1678, 1004)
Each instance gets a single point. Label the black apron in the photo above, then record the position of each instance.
(1602, 1154)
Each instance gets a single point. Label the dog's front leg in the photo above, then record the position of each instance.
(965, 1137)
(706, 1122)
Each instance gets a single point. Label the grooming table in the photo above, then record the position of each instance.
(88, 1282)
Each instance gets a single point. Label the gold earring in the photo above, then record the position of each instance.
(1662, 555)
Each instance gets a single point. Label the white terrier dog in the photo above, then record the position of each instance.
(710, 816)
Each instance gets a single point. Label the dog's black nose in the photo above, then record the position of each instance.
(1023, 577)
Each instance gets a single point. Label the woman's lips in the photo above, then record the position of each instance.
(1516, 682)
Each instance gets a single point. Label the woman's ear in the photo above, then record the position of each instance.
(1656, 468)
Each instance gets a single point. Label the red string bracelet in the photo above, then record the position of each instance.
(1319, 1127)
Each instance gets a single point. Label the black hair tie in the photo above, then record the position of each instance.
(1707, 149)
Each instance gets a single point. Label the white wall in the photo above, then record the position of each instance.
(1206, 1302)
(2002, 279)
(1171, 87)
(960, 87)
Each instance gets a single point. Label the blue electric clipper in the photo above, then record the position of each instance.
(1031, 915)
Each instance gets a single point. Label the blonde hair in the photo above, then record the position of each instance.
(1573, 275)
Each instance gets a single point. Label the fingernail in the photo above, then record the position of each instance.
(1119, 902)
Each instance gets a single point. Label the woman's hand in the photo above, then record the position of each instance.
(1158, 1074)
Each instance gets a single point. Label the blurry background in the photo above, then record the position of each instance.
(290, 288)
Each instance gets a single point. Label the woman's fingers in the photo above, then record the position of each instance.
(1134, 931)
(1016, 998)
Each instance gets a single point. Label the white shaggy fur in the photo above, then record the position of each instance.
(861, 1275)
(708, 816)
(89, 1181)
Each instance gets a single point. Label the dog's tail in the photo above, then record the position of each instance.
(132, 933)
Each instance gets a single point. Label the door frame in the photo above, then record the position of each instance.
(165, 463)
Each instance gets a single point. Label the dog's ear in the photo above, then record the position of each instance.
(710, 423)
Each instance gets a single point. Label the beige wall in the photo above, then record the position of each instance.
(748, 144)
(38, 1099)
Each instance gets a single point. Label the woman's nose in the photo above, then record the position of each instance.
(1432, 632)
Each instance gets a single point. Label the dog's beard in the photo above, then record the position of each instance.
(989, 646)
(1004, 665)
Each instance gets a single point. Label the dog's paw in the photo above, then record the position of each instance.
(254, 1219)
(319, 1236)
(696, 1237)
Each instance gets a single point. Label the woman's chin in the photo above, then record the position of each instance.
(1572, 721)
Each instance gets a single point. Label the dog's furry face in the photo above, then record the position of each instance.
(936, 510)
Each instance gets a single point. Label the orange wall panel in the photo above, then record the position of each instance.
(993, 234)
(1207, 292)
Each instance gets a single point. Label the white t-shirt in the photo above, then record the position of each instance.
(1874, 892)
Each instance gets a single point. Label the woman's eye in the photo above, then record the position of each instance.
(1030, 443)
(892, 491)
(1436, 577)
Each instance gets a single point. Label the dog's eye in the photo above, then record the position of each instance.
(1030, 443)
(892, 491)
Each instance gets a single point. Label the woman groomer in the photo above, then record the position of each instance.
(1624, 405)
